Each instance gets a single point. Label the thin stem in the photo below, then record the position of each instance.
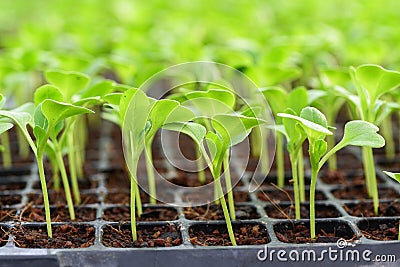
(387, 133)
(312, 201)
(374, 186)
(64, 178)
(280, 160)
(200, 167)
(332, 161)
(293, 161)
(229, 188)
(72, 168)
(46, 203)
(366, 171)
(264, 160)
(133, 208)
(150, 173)
(138, 199)
(300, 169)
(6, 153)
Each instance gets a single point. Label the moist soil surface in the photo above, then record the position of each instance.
(4, 230)
(360, 193)
(64, 236)
(366, 209)
(6, 200)
(7, 214)
(120, 236)
(58, 199)
(83, 184)
(300, 233)
(354, 178)
(214, 212)
(8, 185)
(123, 198)
(288, 211)
(216, 235)
(239, 197)
(150, 214)
(384, 231)
(284, 195)
(58, 214)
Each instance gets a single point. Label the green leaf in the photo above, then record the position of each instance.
(55, 112)
(276, 98)
(194, 130)
(314, 115)
(126, 98)
(5, 126)
(377, 80)
(99, 89)
(211, 102)
(361, 133)
(395, 176)
(234, 128)
(298, 99)
(47, 91)
(70, 82)
(113, 98)
(217, 148)
(2, 101)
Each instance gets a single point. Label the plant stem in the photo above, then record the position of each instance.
(229, 188)
(150, 173)
(137, 196)
(225, 211)
(6, 153)
(312, 201)
(46, 203)
(280, 160)
(332, 161)
(72, 168)
(293, 161)
(64, 178)
(367, 173)
(133, 208)
(200, 167)
(264, 160)
(371, 170)
(387, 133)
(300, 169)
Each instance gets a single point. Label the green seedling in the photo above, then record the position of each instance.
(314, 125)
(372, 83)
(4, 138)
(395, 177)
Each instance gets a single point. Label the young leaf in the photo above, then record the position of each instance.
(5, 126)
(211, 102)
(98, 90)
(362, 133)
(298, 99)
(196, 131)
(395, 176)
(47, 91)
(70, 82)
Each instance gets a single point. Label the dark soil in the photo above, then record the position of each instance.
(11, 185)
(239, 196)
(59, 214)
(389, 165)
(339, 177)
(382, 230)
(58, 199)
(64, 236)
(346, 161)
(84, 184)
(150, 214)
(214, 212)
(278, 196)
(4, 231)
(217, 235)
(366, 209)
(360, 193)
(7, 215)
(117, 179)
(326, 232)
(6, 200)
(123, 198)
(287, 211)
(120, 236)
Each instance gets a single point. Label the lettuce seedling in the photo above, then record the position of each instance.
(4, 138)
(395, 177)
(372, 83)
(314, 124)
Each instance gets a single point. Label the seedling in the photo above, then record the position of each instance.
(395, 177)
(314, 125)
(372, 83)
(5, 142)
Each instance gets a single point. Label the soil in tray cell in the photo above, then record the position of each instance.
(217, 235)
(389, 165)
(380, 229)
(353, 178)
(238, 195)
(123, 198)
(360, 193)
(64, 236)
(214, 212)
(4, 231)
(150, 214)
(366, 209)
(84, 184)
(7, 215)
(58, 214)
(11, 185)
(287, 211)
(6, 200)
(58, 199)
(284, 195)
(326, 232)
(120, 236)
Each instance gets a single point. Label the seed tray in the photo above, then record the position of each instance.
(184, 253)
